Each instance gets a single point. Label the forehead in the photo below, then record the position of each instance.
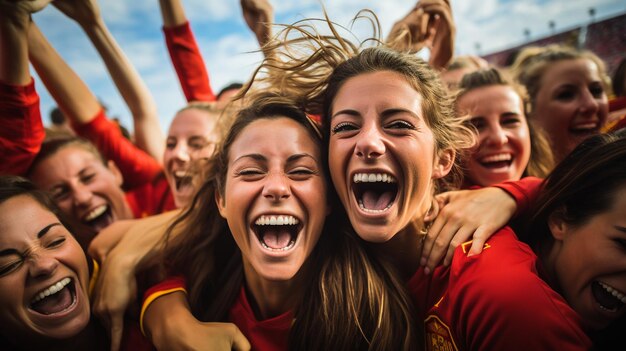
(573, 71)
(280, 136)
(192, 121)
(66, 162)
(493, 98)
(385, 89)
(22, 217)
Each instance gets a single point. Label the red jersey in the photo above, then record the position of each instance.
(22, 131)
(494, 301)
(188, 63)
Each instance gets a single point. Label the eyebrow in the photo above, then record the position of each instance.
(345, 112)
(296, 157)
(256, 157)
(41, 233)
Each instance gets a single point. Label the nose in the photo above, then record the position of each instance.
(589, 105)
(42, 265)
(82, 195)
(496, 136)
(181, 152)
(276, 187)
(369, 145)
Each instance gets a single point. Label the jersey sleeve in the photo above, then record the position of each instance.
(524, 191)
(168, 286)
(188, 63)
(137, 167)
(22, 131)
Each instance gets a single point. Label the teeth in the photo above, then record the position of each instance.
(291, 244)
(373, 178)
(618, 295)
(180, 174)
(53, 289)
(277, 220)
(496, 158)
(585, 126)
(95, 213)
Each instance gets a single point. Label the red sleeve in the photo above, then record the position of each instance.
(22, 131)
(165, 287)
(137, 167)
(188, 63)
(524, 191)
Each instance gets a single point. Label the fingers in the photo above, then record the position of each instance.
(117, 330)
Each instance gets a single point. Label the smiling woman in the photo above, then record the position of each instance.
(44, 276)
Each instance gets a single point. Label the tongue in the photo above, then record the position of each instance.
(101, 222)
(276, 239)
(54, 303)
(373, 200)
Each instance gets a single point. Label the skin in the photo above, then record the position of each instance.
(571, 104)
(80, 183)
(192, 136)
(377, 126)
(36, 252)
(269, 176)
(497, 113)
(601, 240)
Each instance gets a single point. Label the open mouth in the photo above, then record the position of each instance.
(56, 298)
(496, 161)
(99, 218)
(374, 192)
(277, 232)
(585, 129)
(609, 298)
(182, 179)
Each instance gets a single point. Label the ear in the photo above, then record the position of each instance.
(117, 174)
(557, 225)
(443, 163)
(221, 203)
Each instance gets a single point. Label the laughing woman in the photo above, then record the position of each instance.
(256, 251)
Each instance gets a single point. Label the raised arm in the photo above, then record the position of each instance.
(429, 24)
(147, 130)
(184, 52)
(82, 108)
(22, 131)
(259, 15)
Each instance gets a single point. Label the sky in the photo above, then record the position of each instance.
(228, 46)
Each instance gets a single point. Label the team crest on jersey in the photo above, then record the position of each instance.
(438, 336)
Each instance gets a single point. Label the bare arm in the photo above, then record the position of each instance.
(147, 130)
(259, 15)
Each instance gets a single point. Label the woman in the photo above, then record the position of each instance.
(45, 277)
(568, 94)
(284, 283)
(578, 230)
(508, 146)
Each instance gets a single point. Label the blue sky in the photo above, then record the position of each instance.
(226, 42)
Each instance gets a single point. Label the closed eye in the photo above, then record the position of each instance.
(400, 124)
(10, 267)
(344, 127)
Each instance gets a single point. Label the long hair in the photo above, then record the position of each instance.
(351, 302)
(541, 160)
(582, 185)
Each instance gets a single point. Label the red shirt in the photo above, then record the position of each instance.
(22, 131)
(188, 63)
(494, 301)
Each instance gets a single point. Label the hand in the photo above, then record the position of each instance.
(465, 214)
(442, 33)
(259, 16)
(171, 326)
(82, 11)
(115, 290)
(108, 238)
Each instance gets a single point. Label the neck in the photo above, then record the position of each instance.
(270, 298)
(404, 249)
(548, 254)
